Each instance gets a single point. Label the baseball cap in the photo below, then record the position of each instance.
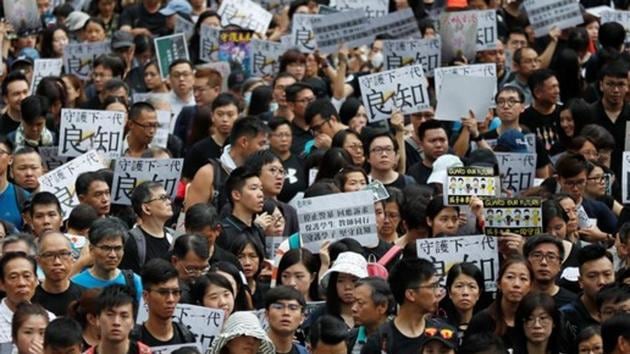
(122, 39)
(441, 332)
(512, 140)
(440, 167)
(175, 6)
(483, 158)
(76, 20)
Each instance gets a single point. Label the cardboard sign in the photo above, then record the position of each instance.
(182, 25)
(246, 14)
(398, 25)
(265, 57)
(402, 52)
(60, 181)
(545, 14)
(82, 130)
(461, 94)
(302, 36)
(50, 157)
(459, 35)
(22, 15)
(234, 47)
(337, 216)
(43, 68)
(403, 89)
(480, 70)
(208, 43)
(78, 57)
(464, 182)
(168, 49)
(517, 170)
(372, 8)
(522, 216)
(348, 27)
(480, 250)
(487, 33)
(129, 172)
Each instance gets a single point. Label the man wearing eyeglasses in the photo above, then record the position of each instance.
(142, 126)
(298, 96)
(150, 238)
(524, 62)
(161, 294)
(284, 309)
(322, 118)
(56, 292)
(180, 76)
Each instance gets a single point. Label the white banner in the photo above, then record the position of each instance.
(517, 170)
(461, 94)
(78, 58)
(483, 70)
(82, 130)
(43, 68)
(402, 52)
(545, 14)
(130, 172)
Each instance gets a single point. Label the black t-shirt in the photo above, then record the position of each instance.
(484, 321)
(137, 16)
(300, 138)
(293, 350)
(295, 180)
(563, 297)
(57, 303)
(617, 129)
(420, 172)
(542, 157)
(146, 337)
(155, 248)
(397, 344)
(199, 154)
(545, 126)
(401, 182)
(7, 125)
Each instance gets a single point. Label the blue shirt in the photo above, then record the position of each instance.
(88, 281)
(9, 210)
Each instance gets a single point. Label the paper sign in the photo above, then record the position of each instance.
(401, 52)
(78, 57)
(50, 157)
(271, 245)
(182, 25)
(522, 216)
(43, 68)
(482, 70)
(160, 139)
(404, 89)
(208, 43)
(517, 170)
(265, 57)
(246, 14)
(464, 182)
(168, 49)
(372, 8)
(22, 15)
(204, 323)
(348, 27)
(480, 250)
(621, 17)
(459, 35)
(379, 192)
(234, 47)
(302, 36)
(398, 25)
(130, 172)
(625, 178)
(168, 349)
(461, 94)
(82, 130)
(60, 181)
(487, 34)
(337, 216)
(545, 14)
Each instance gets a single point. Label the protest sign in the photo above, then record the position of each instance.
(302, 36)
(50, 157)
(403, 89)
(78, 57)
(379, 192)
(517, 170)
(625, 178)
(168, 349)
(480, 70)
(397, 25)
(43, 68)
(348, 27)
(22, 15)
(271, 245)
(522, 216)
(182, 25)
(545, 14)
(265, 57)
(487, 34)
(130, 172)
(160, 139)
(208, 43)
(203, 322)
(60, 181)
(464, 182)
(461, 94)
(245, 14)
(621, 17)
(402, 52)
(337, 216)
(83, 129)
(480, 250)
(275, 6)
(234, 47)
(168, 49)
(372, 8)
(459, 35)
(529, 142)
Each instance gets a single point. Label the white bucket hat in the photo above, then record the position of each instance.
(347, 262)
(242, 323)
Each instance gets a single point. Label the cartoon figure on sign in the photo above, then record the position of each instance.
(483, 183)
(508, 217)
(517, 217)
(460, 186)
(452, 185)
(475, 185)
(536, 217)
(526, 218)
(490, 187)
(498, 218)
(490, 217)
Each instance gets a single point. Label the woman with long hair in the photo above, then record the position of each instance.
(215, 291)
(298, 268)
(537, 325)
(465, 286)
(28, 326)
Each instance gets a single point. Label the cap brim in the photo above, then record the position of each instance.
(167, 12)
(122, 45)
(437, 177)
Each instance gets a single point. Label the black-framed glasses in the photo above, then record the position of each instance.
(549, 257)
(162, 198)
(108, 249)
(510, 102)
(317, 127)
(154, 125)
(50, 256)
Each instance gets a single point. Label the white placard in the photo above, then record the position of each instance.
(43, 68)
(182, 25)
(348, 27)
(625, 178)
(461, 94)
(204, 323)
(545, 14)
(483, 70)
(372, 8)
(517, 170)
(265, 57)
(487, 33)
(402, 52)
(522, 216)
(398, 25)
(82, 130)
(208, 43)
(160, 139)
(302, 36)
(50, 157)
(337, 216)
(78, 57)
(480, 250)
(404, 89)
(130, 172)
(60, 181)
(245, 14)
(621, 17)
(168, 349)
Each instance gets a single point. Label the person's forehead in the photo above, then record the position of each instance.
(508, 94)
(382, 141)
(53, 240)
(98, 185)
(147, 114)
(181, 67)
(43, 207)
(228, 107)
(547, 246)
(305, 92)
(111, 241)
(30, 157)
(285, 81)
(516, 36)
(102, 68)
(120, 309)
(18, 264)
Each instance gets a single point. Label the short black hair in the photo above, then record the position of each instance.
(44, 198)
(82, 217)
(329, 330)
(83, 182)
(428, 125)
(260, 158)
(8, 257)
(11, 77)
(283, 292)
(106, 228)
(511, 88)
(181, 61)
(112, 296)
(571, 165)
(323, 107)
(63, 332)
(112, 62)
(34, 108)
(247, 126)
(532, 242)
(138, 108)
(407, 273)
(611, 35)
(276, 122)
(293, 90)
(115, 84)
(156, 271)
(482, 342)
(381, 293)
(225, 99)
(141, 194)
(200, 216)
(191, 242)
(592, 252)
(237, 179)
(538, 78)
(612, 329)
(617, 69)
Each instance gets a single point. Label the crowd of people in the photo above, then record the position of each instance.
(73, 281)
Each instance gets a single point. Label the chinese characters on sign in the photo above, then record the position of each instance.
(82, 130)
(487, 30)
(182, 25)
(234, 47)
(50, 157)
(398, 25)
(168, 49)
(517, 170)
(372, 8)
(402, 52)
(482, 70)
(348, 27)
(464, 182)
(246, 14)
(43, 68)
(265, 57)
(208, 43)
(521, 216)
(544, 14)
(78, 57)
(130, 172)
(302, 36)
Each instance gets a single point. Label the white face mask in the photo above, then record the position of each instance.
(377, 60)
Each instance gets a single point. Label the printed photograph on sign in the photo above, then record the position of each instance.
(130, 172)
(82, 130)
(208, 43)
(522, 216)
(458, 31)
(464, 182)
(402, 52)
(234, 47)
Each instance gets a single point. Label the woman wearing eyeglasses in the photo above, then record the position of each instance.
(537, 325)
(598, 185)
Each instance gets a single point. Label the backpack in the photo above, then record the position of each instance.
(141, 243)
(219, 199)
(131, 287)
(21, 196)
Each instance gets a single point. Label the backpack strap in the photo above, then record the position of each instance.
(186, 335)
(386, 336)
(130, 282)
(21, 196)
(141, 244)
